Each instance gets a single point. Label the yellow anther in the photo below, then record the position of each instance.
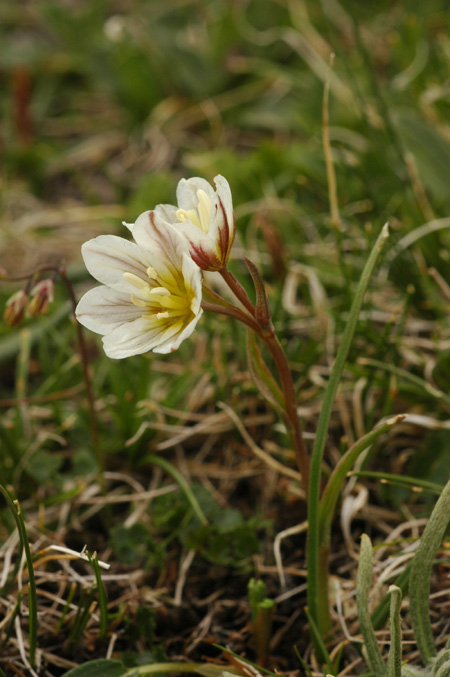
(138, 302)
(136, 281)
(204, 210)
(191, 215)
(162, 291)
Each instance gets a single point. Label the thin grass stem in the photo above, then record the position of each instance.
(179, 479)
(14, 506)
(102, 601)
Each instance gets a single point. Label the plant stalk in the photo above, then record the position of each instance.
(290, 400)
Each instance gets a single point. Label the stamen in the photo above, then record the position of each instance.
(151, 272)
(138, 302)
(162, 316)
(136, 281)
(204, 210)
(162, 291)
(184, 215)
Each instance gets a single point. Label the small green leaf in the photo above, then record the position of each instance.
(261, 375)
(395, 652)
(262, 308)
(364, 581)
(420, 576)
(256, 594)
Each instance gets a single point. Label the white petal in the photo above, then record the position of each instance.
(224, 193)
(160, 238)
(133, 338)
(102, 309)
(202, 247)
(167, 213)
(187, 192)
(107, 257)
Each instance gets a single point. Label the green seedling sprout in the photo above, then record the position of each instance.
(262, 609)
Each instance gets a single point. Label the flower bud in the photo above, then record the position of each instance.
(42, 295)
(15, 308)
(206, 219)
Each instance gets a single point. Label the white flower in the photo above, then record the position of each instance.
(205, 217)
(151, 293)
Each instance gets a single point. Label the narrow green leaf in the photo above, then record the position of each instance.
(303, 663)
(103, 604)
(395, 652)
(179, 479)
(262, 307)
(364, 582)
(261, 375)
(318, 641)
(381, 613)
(317, 588)
(336, 481)
(407, 376)
(420, 576)
(413, 483)
(441, 666)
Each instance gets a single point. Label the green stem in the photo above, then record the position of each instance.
(317, 586)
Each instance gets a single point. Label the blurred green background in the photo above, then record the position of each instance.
(105, 105)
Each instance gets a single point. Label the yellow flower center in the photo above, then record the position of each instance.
(201, 216)
(162, 297)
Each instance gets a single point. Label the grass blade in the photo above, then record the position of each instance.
(179, 479)
(420, 575)
(337, 477)
(102, 601)
(318, 641)
(317, 589)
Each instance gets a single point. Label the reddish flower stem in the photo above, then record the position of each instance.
(238, 290)
(232, 311)
(290, 400)
(271, 340)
